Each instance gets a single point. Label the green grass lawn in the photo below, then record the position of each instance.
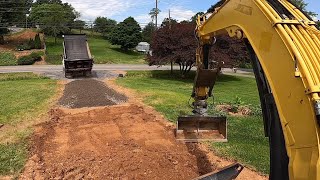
(169, 95)
(24, 96)
(102, 50)
(7, 59)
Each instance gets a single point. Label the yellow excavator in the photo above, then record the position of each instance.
(284, 45)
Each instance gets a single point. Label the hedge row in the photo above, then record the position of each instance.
(30, 59)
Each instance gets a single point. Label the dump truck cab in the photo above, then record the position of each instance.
(77, 59)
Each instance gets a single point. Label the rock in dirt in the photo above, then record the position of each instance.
(89, 93)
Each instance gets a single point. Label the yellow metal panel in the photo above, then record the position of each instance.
(288, 51)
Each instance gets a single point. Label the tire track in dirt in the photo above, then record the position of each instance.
(127, 141)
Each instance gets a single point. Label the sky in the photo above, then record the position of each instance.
(139, 9)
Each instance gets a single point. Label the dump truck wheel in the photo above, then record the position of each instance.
(68, 75)
(88, 73)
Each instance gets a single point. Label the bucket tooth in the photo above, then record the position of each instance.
(201, 128)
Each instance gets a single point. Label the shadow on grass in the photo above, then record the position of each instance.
(127, 52)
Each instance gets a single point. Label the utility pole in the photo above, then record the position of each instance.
(169, 19)
(27, 20)
(170, 29)
(156, 14)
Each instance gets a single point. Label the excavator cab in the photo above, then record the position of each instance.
(200, 126)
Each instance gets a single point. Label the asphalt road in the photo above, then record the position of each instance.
(99, 67)
(96, 67)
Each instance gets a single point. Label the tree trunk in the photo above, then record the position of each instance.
(184, 67)
(171, 67)
(189, 69)
(55, 39)
(1, 39)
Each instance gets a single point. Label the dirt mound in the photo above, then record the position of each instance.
(22, 36)
(89, 93)
(11, 41)
(234, 110)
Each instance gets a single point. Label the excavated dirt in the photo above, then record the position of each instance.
(127, 141)
(240, 111)
(89, 93)
(118, 142)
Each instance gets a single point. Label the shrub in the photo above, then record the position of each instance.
(24, 46)
(245, 65)
(36, 55)
(31, 43)
(25, 60)
(7, 59)
(37, 42)
(30, 59)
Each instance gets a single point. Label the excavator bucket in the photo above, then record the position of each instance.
(201, 128)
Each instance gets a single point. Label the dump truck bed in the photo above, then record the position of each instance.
(77, 56)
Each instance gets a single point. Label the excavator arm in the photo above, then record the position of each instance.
(284, 45)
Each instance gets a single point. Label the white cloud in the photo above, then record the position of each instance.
(120, 9)
(177, 13)
(181, 14)
(90, 9)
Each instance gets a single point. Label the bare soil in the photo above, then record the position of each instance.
(240, 111)
(126, 141)
(12, 41)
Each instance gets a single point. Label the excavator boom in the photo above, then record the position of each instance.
(284, 45)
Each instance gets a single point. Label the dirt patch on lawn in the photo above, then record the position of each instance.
(234, 110)
(89, 93)
(11, 41)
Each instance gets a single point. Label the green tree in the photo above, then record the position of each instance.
(127, 34)
(104, 25)
(153, 13)
(184, 22)
(11, 14)
(167, 22)
(39, 2)
(318, 24)
(79, 24)
(303, 6)
(53, 18)
(37, 42)
(194, 18)
(147, 32)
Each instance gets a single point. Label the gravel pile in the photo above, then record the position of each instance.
(95, 74)
(89, 93)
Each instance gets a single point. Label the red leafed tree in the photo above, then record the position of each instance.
(175, 44)
(178, 44)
